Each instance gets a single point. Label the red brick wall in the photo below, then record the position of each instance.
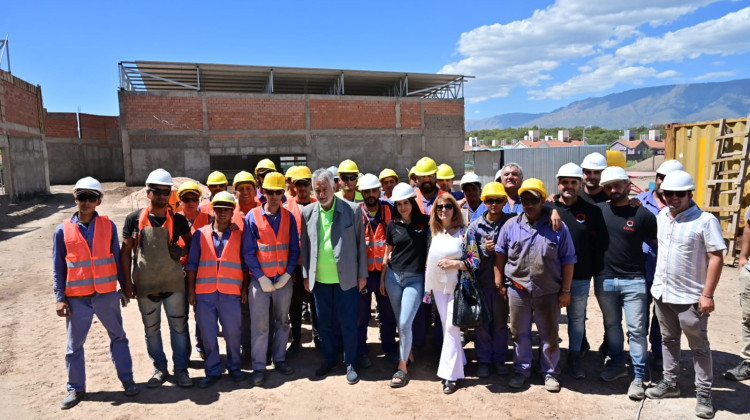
(352, 114)
(99, 127)
(436, 108)
(411, 115)
(21, 107)
(60, 124)
(258, 114)
(163, 113)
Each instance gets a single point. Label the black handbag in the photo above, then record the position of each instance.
(469, 305)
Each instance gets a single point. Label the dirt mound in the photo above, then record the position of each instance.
(137, 199)
(647, 165)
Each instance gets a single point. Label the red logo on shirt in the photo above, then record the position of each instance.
(629, 226)
(581, 218)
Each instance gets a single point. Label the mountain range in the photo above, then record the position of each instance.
(644, 106)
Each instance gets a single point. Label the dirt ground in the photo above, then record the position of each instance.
(32, 366)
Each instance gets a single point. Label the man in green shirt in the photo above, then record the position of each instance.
(334, 268)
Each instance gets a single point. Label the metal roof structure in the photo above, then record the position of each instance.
(169, 76)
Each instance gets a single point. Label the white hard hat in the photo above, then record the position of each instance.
(402, 191)
(594, 161)
(498, 175)
(89, 184)
(159, 177)
(670, 165)
(678, 180)
(613, 174)
(470, 178)
(570, 170)
(368, 182)
(335, 171)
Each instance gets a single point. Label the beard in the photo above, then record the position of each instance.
(427, 187)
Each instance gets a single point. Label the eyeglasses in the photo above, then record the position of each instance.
(302, 183)
(531, 200)
(160, 192)
(441, 207)
(491, 201)
(87, 198)
(215, 186)
(189, 199)
(273, 192)
(349, 177)
(680, 194)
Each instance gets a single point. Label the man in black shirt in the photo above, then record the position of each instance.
(621, 284)
(149, 238)
(593, 165)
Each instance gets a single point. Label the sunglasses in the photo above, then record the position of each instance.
(264, 173)
(441, 207)
(349, 177)
(87, 198)
(160, 192)
(213, 187)
(189, 199)
(491, 201)
(531, 200)
(680, 194)
(303, 183)
(274, 192)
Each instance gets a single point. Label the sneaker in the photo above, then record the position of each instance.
(613, 373)
(157, 378)
(483, 370)
(364, 361)
(551, 383)
(501, 368)
(183, 379)
(704, 407)
(324, 369)
(663, 389)
(636, 391)
(208, 381)
(517, 380)
(352, 377)
(574, 366)
(259, 377)
(73, 398)
(740, 372)
(131, 389)
(283, 368)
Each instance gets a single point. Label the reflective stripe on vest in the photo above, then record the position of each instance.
(293, 206)
(87, 273)
(375, 239)
(273, 249)
(420, 199)
(227, 277)
(143, 221)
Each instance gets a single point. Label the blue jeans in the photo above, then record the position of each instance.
(630, 295)
(212, 308)
(269, 319)
(576, 311)
(107, 309)
(405, 291)
(387, 318)
(492, 337)
(175, 306)
(333, 303)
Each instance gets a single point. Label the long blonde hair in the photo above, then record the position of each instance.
(457, 220)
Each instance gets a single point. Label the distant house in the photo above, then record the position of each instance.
(635, 149)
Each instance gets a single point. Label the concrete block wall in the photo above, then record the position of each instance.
(179, 131)
(25, 170)
(97, 153)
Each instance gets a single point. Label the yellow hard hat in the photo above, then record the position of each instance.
(411, 171)
(533, 185)
(243, 176)
(189, 186)
(615, 158)
(217, 178)
(274, 181)
(494, 189)
(386, 173)
(348, 167)
(425, 167)
(444, 171)
(265, 164)
(302, 172)
(223, 199)
(290, 172)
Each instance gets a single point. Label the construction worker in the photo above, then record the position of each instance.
(271, 249)
(473, 207)
(492, 337)
(741, 372)
(290, 191)
(302, 182)
(688, 268)
(217, 288)
(413, 179)
(349, 175)
(216, 182)
(586, 225)
(445, 178)
(86, 270)
(427, 190)
(149, 237)
(337, 184)
(264, 167)
(245, 194)
(534, 271)
(621, 284)
(593, 165)
(511, 176)
(388, 180)
(376, 214)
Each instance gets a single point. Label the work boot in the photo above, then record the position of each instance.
(283, 368)
(612, 373)
(635, 391)
(501, 368)
(663, 389)
(208, 381)
(517, 380)
(73, 398)
(574, 365)
(157, 378)
(259, 377)
(183, 379)
(704, 407)
(740, 372)
(483, 370)
(131, 388)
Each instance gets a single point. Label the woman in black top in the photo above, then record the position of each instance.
(403, 278)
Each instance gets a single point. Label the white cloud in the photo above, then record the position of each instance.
(477, 112)
(715, 75)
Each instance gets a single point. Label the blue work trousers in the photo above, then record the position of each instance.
(210, 310)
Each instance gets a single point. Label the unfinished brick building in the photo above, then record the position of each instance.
(194, 118)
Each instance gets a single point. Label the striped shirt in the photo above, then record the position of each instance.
(682, 262)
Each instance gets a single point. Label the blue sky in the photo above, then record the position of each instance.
(530, 56)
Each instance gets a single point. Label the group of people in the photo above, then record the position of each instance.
(331, 239)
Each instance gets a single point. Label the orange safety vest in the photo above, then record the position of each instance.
(273, 249)
(375, 239)
(420, 199)
(205, 207)
(143, 222)
(227, 277)
(238, 217)
(90, 270)
(201, 220)
(296, 210)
